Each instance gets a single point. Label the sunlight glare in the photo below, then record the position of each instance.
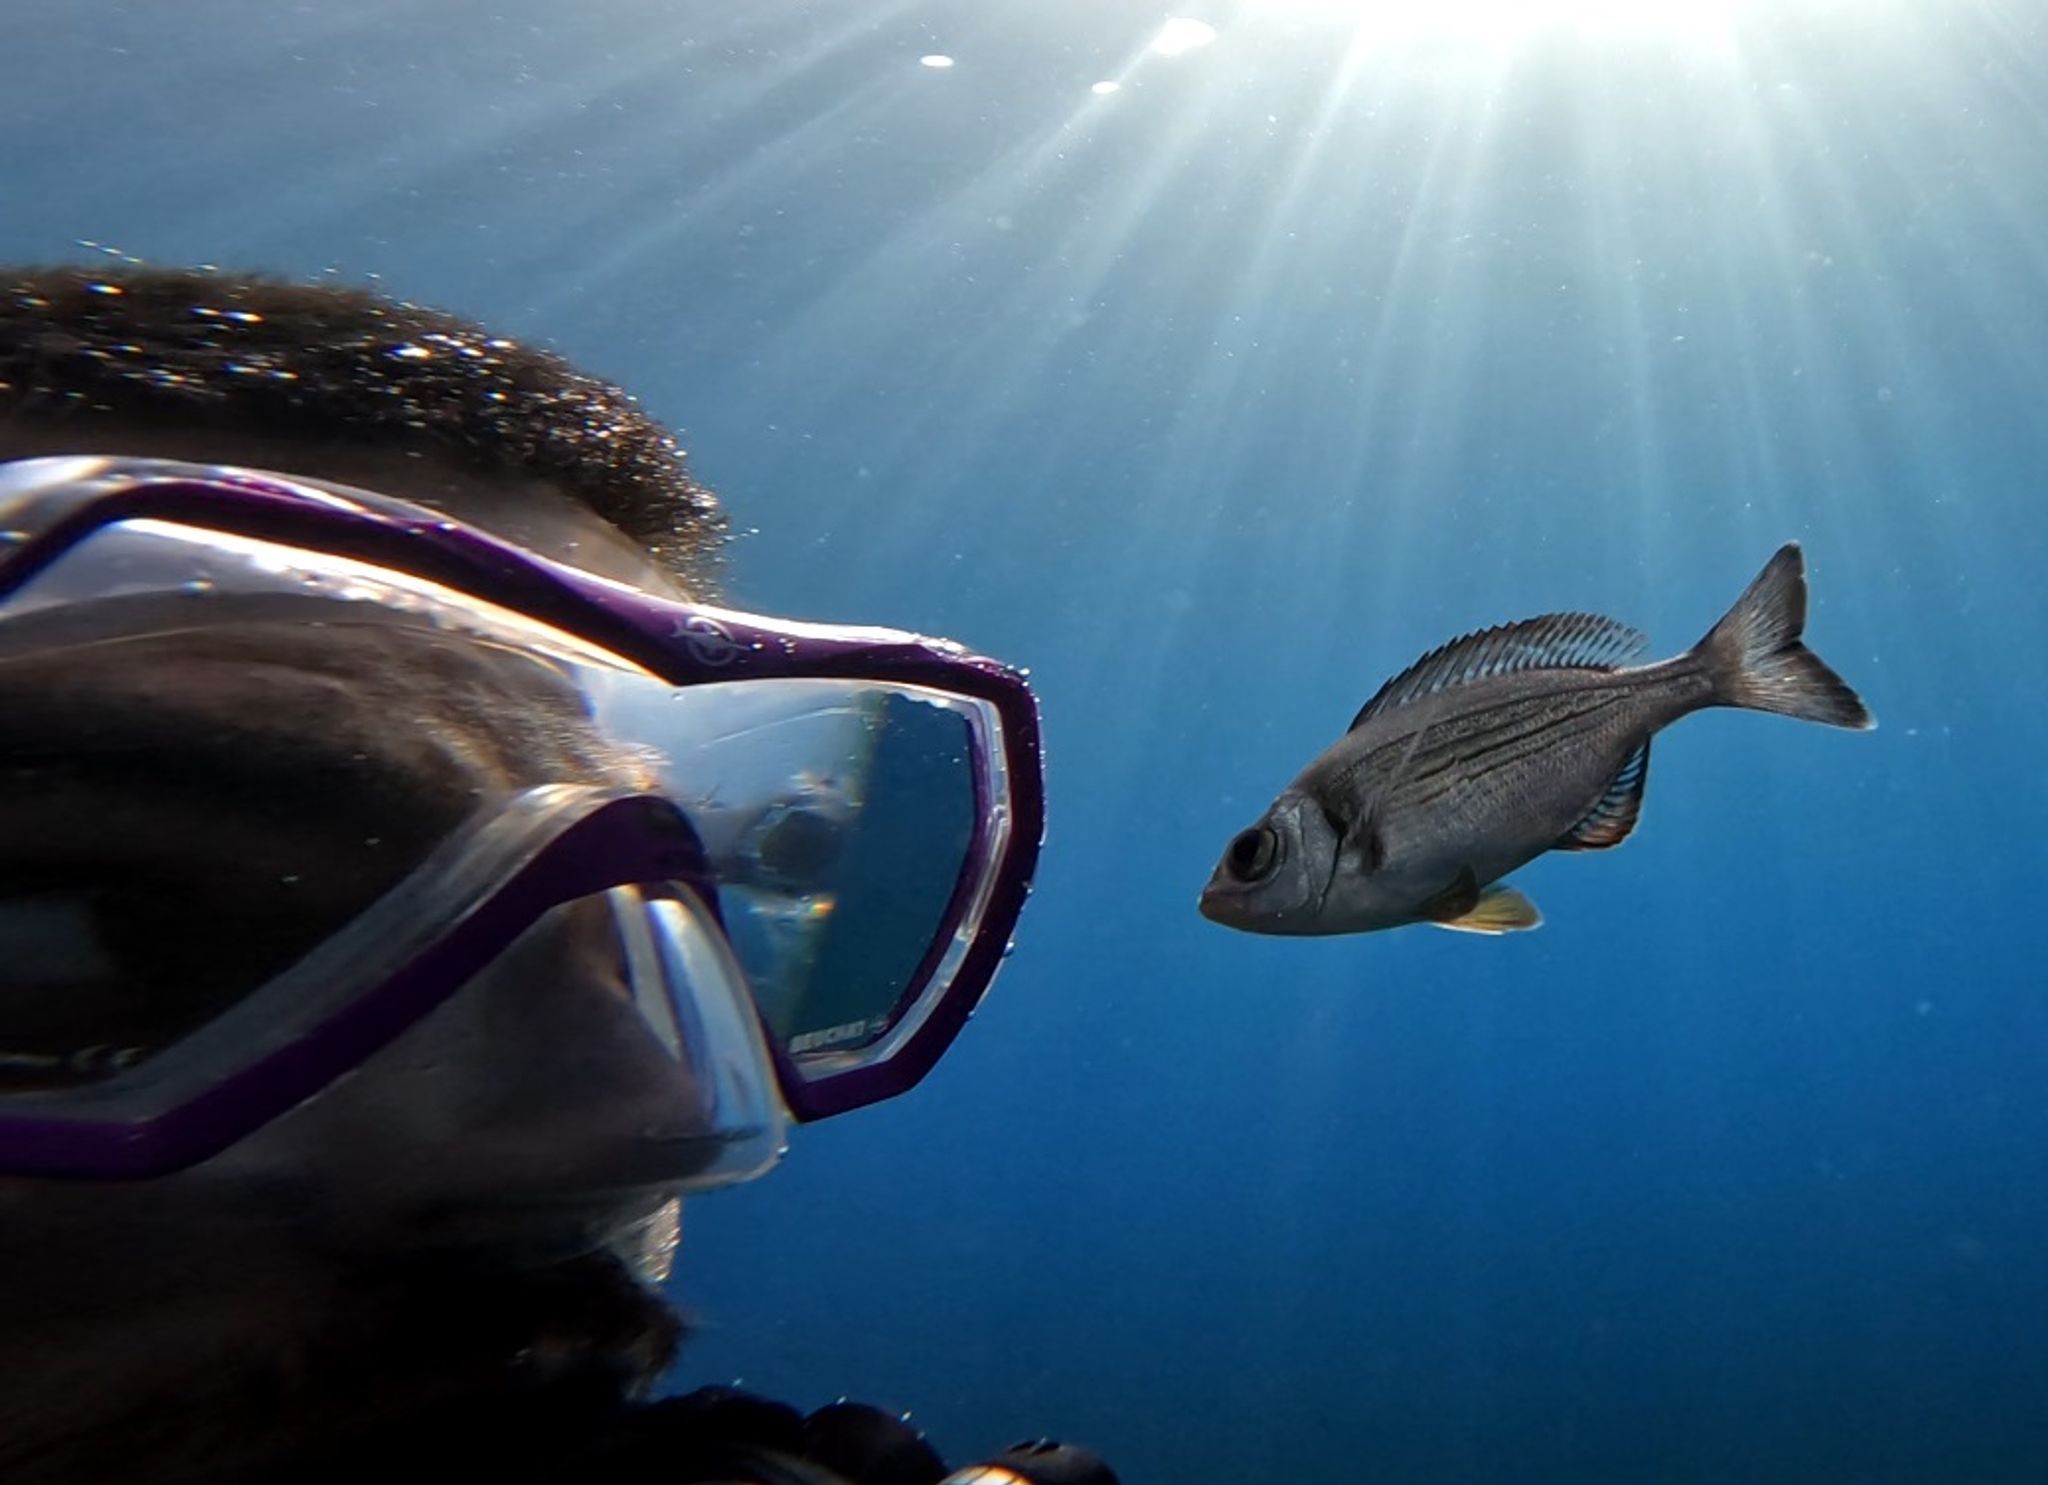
(1501, 20)
(1182, 34)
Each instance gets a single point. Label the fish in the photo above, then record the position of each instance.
(1498, 747)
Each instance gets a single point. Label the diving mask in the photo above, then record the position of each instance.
(799, 850)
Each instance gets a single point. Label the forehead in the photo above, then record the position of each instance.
(533, 512)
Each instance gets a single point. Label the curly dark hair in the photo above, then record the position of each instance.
(241, 352)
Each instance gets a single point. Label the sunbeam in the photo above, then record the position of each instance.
(1506, 20)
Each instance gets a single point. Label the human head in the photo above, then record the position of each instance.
(339, 383)
(304, 752)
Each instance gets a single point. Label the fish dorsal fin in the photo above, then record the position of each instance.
(1552, 642)
(1610, 821)
(1500, 909)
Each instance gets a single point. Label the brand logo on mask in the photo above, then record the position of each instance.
(838, 1036)
(707, 640)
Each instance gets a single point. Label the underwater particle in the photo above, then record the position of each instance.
(939, 61)
(1104, 88)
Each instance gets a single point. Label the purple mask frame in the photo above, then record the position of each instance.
(621, 844)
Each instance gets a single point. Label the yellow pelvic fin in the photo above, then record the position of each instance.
(1499, 910)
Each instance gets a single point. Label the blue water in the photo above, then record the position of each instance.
(1215, 400)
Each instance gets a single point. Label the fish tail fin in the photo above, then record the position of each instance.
(1756, 660)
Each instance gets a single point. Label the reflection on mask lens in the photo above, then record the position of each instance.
(838, 818)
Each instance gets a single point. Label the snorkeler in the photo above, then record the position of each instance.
(392, 843)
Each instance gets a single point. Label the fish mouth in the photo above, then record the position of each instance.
(1223, 901)
(1228, 904)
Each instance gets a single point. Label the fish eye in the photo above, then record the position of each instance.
(1252, 855)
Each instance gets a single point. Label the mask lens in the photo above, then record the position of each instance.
(175, 832)
(841, 822)
(216, 754)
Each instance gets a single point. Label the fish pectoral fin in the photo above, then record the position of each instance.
(1454, 901)
(1610, 821)
(1364, 847)
(1498, 910)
